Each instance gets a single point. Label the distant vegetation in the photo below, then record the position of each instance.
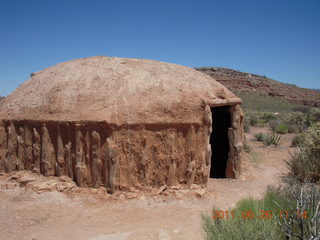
(281, 116)
(264, 103)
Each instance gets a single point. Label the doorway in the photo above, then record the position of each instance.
(219, 140)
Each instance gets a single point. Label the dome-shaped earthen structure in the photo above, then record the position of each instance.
(122, 122)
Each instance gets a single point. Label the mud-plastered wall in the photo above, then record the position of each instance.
(98, 154)
(155, 155)
(3, 145)
(236, 139)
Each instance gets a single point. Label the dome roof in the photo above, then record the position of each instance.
(117, 91)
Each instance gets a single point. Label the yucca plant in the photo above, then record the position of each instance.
(259, 136)
(282, 129)
(268, 139)
(271, 139)
(298, 140)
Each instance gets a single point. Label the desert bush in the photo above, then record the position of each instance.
(253, 120)
(246, 125)
(268, 139)
(295, 129)
(249, 219)
(241, 226)
(304, 163)
(297, 118)
(303, 109)
(255, 117)
(281, 129)
(301, 220)
(274, 123)
(259, 136)
(288, 212)
(269, 116)
(292, 123)
(259, 119)
(313, 116)
(298, 140)
(271, 139)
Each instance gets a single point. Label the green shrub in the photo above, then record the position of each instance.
(281, 129)
(271, 139)
(295, 129)
(280, 214)
(293, 123)
(292, 129)
(298, 140)
(313, 116)
(238, 229)
(259, 119)
(253, 120)
(248, 220)
(273, 124)
(268, 139)
(259, 136)
(297, 118)
(304, 164)
(269, 116)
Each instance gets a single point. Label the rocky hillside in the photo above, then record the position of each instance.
(241, 82)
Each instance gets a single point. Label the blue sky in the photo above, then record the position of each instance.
(279, 39)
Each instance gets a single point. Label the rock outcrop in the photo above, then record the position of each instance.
(241, 82)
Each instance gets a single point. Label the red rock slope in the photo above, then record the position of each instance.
(243, 82)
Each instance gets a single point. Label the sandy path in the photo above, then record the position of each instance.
(53, 215)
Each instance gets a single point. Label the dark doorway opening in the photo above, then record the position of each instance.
(219, 140)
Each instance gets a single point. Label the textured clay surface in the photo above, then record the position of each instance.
(96, 154)
(116, 90)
